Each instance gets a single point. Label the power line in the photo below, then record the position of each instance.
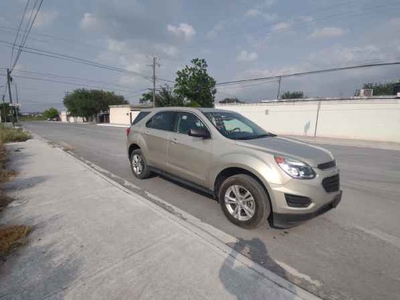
(310, 73)
(83, 61)
(337, 16)
(70, 77)
(69, 83)
(19, 29)
(27, 31)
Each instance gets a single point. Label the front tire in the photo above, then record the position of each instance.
(139, 165)
(244, 201)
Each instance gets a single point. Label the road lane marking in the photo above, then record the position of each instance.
(297, 274)
(395, 241)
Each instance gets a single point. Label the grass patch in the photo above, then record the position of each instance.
(32, 118)
(4, 200)
(5, 174)
(11, 237)
(8, 135)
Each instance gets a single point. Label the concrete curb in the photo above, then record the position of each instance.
(112, 125)
(207, 233)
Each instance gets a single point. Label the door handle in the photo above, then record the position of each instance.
(174, 141)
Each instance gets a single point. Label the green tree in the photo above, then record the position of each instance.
(88, 103)
(165, 96)
(50, 113)
(194, 85)
(231, 100)
(5, 112)
(293, 95)
(380, 89)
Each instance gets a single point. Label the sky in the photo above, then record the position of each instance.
(239, 39)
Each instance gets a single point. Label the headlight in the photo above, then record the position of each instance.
(295, 168)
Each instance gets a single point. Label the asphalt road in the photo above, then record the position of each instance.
(352, 252)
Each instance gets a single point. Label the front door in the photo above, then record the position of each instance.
(189, 157)
(157, 133)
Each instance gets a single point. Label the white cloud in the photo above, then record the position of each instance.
(44, 18)
(281, 26)
(267, 3)
(339, 55)
(247, 56)
(394, 22)
(327, 32)
(306, 18)
(212, 34)
(89, 22)
(253, 13)
(168, 50)
(183, 30)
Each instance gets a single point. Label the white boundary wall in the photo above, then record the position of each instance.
(375, 118)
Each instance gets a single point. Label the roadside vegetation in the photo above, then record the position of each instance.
(10, 236)
(9, 134)
(32, 118)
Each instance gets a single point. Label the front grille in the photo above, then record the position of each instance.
(331, 184)
(327, 165)
(297, 201)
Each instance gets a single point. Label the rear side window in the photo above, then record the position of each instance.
(140, 116)
(162, 121)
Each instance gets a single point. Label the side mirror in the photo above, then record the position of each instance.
(200, 133)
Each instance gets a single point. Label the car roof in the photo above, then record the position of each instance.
(184, 108)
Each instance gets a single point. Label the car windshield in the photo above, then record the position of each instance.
(236, 127)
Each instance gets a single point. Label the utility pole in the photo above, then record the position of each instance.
(3, 113)
(16, 95)
(316, 118)
(9, 79)
(279, 88)
(153, 65)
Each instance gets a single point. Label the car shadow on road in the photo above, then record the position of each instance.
(241, 281)
(186, 186)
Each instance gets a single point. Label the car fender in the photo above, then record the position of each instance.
(257, 166)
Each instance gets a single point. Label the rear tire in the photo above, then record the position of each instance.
(139, 165)
(244, 201)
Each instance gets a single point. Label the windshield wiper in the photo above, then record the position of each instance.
(253, 137)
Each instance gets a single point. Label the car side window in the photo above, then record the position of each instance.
(186, 121)
(162, 121)
(140, 116)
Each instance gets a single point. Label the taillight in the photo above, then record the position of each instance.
(128, 130)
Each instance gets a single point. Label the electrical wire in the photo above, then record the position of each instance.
(84, 61)
(26, 33)
(310, 72)
(303, 24)
(70, 77)
(69, 83)
(18, 31)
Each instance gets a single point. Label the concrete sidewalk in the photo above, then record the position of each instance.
(93, 239)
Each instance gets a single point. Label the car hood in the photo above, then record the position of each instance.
(310, 154)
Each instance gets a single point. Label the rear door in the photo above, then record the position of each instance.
(189, 157)
(157, 132)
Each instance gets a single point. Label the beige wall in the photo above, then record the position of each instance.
(122, 115)
(365, 119)
(119, 115)
(65, 118)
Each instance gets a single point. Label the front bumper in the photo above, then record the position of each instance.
(282, 220)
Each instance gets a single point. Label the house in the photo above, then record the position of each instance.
(125, 114)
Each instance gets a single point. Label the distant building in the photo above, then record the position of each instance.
(125, 114)
(65, 117)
